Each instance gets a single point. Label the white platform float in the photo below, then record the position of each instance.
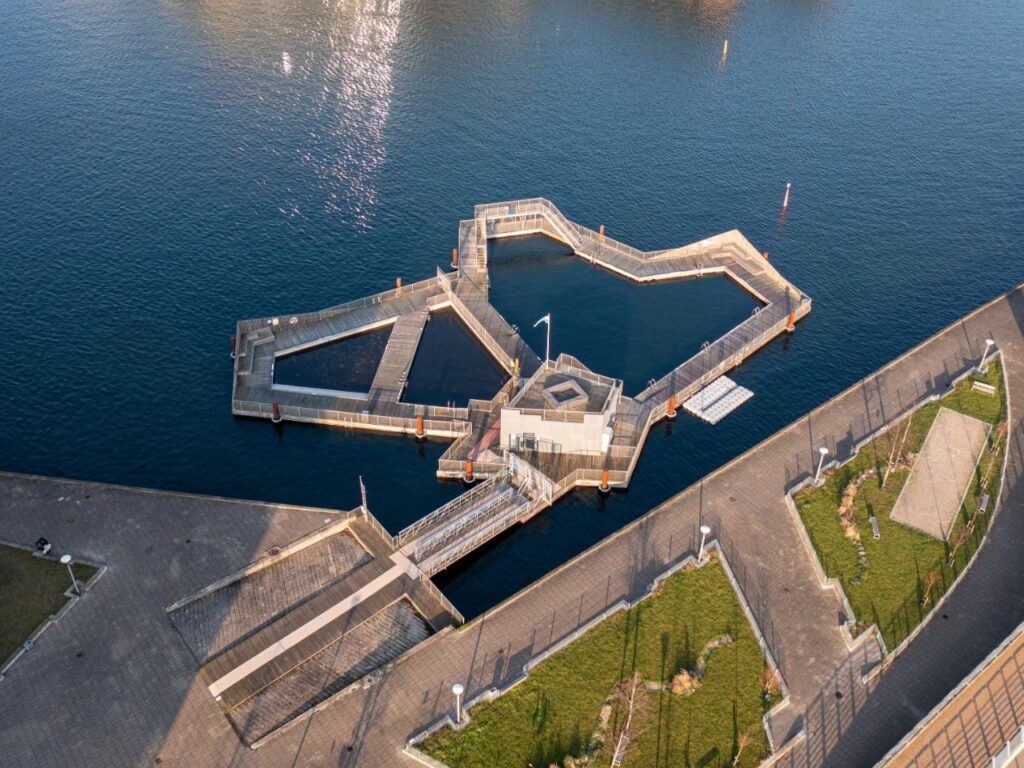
(717, 400)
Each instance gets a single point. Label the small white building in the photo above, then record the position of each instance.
(562, 408)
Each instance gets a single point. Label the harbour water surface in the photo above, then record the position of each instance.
(168, 168)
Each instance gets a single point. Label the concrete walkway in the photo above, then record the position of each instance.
(743, 501)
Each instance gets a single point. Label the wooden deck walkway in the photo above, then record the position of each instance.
(475, 429)
(393, 372)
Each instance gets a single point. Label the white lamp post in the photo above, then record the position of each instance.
(704, 531)
(66, 559)
(458, 690)
(984, 356)
(824, 452)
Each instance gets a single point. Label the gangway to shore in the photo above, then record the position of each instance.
(483, 512)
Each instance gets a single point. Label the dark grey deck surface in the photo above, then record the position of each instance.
(231, 613)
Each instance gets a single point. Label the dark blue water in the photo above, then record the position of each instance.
(632, 332)
(347, 365)
(451, 366)
(167, 168)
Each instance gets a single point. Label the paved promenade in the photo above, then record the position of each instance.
(132, 696)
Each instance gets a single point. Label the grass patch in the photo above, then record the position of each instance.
(888, 589)
(31, 589)
(553, 714)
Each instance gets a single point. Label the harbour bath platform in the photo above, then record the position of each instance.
(554, 425)
(483, 441)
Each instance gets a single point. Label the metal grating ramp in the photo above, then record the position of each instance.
(717, 400)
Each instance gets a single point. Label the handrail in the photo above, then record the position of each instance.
(486, 337)
(253, 324)
(463, 500)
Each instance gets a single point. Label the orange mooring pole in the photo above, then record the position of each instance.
(600, 231)
(603, 488)
(468, 472)
(234, 342)
(455, 258)
(398, 285)
(275, 412)
(765, 254)
(671, 406)
(420, 434)
(791, 323)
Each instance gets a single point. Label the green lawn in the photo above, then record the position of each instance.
(31, 588)
(554, 712)
(889, 589)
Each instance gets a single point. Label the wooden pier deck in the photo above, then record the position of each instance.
(393, 372)
(475, 428)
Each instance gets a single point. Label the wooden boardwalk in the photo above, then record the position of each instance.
(393, 372)
(475, 428)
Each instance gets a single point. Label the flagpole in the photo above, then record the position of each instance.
(547, 345)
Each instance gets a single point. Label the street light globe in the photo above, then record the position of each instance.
(823, 451)
(66, 559)
(705, 529)
(457, 689)
(989, 342)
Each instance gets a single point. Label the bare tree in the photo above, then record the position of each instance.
(745, 739)
(959, 539)
(896, 452)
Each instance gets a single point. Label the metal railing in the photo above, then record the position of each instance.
(479, 330)
(251, 325)
(453, 427)
(453, 508)
(372, 522)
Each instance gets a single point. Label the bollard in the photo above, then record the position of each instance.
(420, 434)
(455, 258)
(671, 406)
(398, 286)
(785, 199)
(275, 412)
(234, 343)
(765, 254)
(467, 473)
(603, 488)
(791, 323)
(600, 231)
